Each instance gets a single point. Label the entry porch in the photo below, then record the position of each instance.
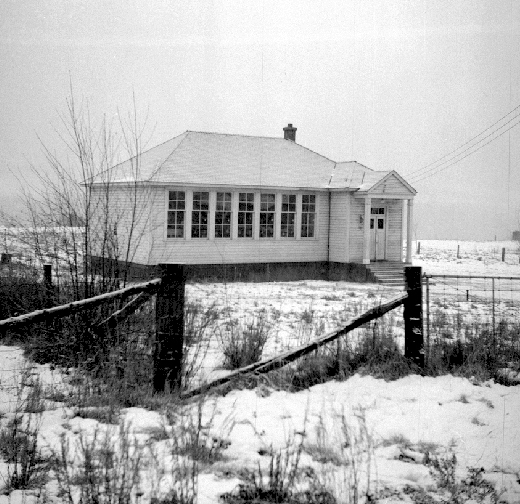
(383, 233)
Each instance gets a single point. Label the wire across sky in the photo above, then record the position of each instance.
(485, 137)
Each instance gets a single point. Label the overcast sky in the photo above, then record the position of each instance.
(392, 84)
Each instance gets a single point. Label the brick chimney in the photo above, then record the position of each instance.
(289, 133)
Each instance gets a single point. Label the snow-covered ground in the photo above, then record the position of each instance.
(439, 257)
(364, 429)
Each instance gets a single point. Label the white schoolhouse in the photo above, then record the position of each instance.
(219, 199)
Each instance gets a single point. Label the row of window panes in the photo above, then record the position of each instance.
(246, 208)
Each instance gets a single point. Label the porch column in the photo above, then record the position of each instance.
(366, 231)
(409, 223)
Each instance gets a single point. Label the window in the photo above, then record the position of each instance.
(176, 209)
(199, 215)
(380, 220)
(267, 210)
(308, 215)
(246, 208)
(288, 215)
(223, 215)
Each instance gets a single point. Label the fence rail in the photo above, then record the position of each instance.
(49, 314)
(165, 349)
(285, 358)
(168, 343)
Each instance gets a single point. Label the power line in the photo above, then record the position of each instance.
(437, 169)
(417, 174)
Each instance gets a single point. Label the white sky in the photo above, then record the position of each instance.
(393, 84)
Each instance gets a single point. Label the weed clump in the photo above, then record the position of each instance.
(27, 467)
(278, 483)
(243, 344)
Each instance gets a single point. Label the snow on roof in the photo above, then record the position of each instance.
(354, 175)
(198, 158)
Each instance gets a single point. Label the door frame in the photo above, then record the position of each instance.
(373, 253)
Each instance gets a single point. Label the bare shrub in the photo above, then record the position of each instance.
(187, 444)
(199, 325)
(103, 467)
(449, 488)
(279, 481)
(26, 465)
(243, 343)
(344, 450)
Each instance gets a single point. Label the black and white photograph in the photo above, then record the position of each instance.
(259, 252)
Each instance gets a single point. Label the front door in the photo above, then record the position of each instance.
(378, 234)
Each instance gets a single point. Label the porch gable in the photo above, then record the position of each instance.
(392, 186)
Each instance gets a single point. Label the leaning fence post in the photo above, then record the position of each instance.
(413, 317)
(169, 328)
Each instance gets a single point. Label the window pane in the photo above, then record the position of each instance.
(246, 208)
(175, 217)
(223, 215)
(199, 215)
(267, 209)
(223, 202)
(308, 215)
(267, 202)
(201, 201)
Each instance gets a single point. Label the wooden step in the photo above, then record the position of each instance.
(388, 273)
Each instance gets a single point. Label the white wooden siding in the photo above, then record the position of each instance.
(357, 212)
(149, 244)
(129, 212)
(239, 250)
(390, 186)
(339, 215)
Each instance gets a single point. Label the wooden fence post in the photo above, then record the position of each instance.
(413, 317)
(170, 328)
(503, 254)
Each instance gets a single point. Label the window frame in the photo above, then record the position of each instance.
(202, 213)
(308, 215)
(248, 213)
(288, 225)
(267, 212)
(225, 212)
(176, 212)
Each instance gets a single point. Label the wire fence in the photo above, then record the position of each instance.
(462, 307)
(450, 251)
(279, 315)
(287, 314)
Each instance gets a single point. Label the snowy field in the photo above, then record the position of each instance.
(365, 439)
